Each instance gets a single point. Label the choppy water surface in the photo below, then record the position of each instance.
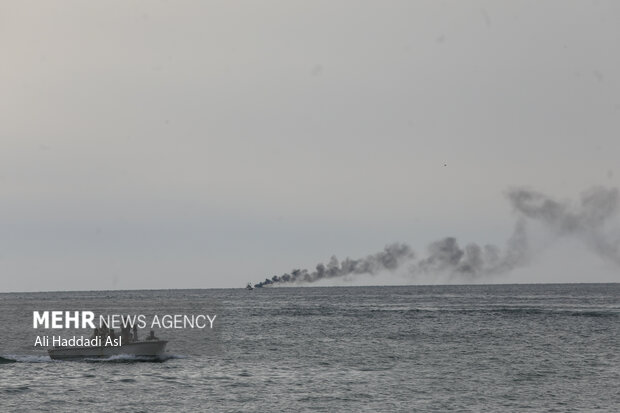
(465, 348)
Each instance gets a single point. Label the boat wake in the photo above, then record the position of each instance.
(121, 358)
(128, 358)
(15, 358)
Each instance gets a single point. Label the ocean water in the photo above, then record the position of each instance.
(488, 348)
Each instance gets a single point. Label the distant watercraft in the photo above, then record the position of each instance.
(106, 344)
(147, 348)
(249, 287)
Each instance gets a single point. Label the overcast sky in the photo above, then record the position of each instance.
(200, 144)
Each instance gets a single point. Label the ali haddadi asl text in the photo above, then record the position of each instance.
(77, 341)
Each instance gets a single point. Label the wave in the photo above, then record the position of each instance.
(127, 358)
(517, 311)
(6, 360)
(29, 358)
(553, 312)
(122, 358)
(595, 314)
(17, 389)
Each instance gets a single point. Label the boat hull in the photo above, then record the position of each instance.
(152, 349)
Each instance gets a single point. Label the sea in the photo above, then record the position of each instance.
(463, 348)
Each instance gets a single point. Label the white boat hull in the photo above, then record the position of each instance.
(154, 349)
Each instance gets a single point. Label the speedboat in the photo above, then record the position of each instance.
(147, 348)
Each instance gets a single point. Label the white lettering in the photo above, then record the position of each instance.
(128, 321)
(87, 319)
(75, 319)
(56, 319)
(38, 318)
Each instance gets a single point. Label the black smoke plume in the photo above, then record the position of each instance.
(390, 258)
(586, 221)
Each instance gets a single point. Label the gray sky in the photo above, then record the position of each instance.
(181, 144)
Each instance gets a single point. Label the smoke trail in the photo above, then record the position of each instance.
(392, 257)
(585, 221)
(445, 256)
